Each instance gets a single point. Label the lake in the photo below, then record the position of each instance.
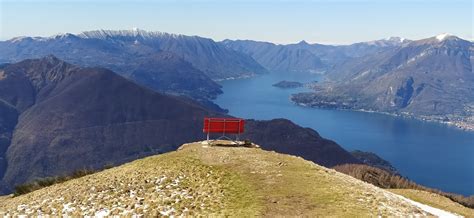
(431, 154)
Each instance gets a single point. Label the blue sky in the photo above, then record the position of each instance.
(279, 21)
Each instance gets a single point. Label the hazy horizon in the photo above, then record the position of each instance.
(295, 42)
(280, 22)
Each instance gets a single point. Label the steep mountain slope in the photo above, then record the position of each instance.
(430, 78)
(74, 117)
(215, 181)
(205, 54)
(8, 120)
(57, 117)
(165, 72)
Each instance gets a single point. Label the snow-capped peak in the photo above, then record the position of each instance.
(135, 32)
(443, 36)
(395, 39)
(19, 38)
(61, 36)
(25, 38)
(389, 41)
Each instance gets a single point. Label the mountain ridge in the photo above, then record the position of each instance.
(304, 57)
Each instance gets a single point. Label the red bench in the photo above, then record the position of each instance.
(223, 126)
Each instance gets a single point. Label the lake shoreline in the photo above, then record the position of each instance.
(460, 125)
(464, 126)
(405, 141)
(245, 76)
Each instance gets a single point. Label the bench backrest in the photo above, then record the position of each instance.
(223, 125)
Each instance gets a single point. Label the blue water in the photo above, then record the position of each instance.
(431, 154)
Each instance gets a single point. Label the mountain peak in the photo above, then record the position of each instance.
(441, 39)
(389, 41)
(303, 42)
(443, 36)
(48, 59)
(62, 36)
(395, 39)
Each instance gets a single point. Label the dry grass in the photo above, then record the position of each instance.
(169, 184)
(202, 180)
(435, 200)
(291, 186)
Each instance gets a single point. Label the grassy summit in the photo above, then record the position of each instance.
(217, 180)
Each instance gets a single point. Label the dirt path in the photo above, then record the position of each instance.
(434, 211)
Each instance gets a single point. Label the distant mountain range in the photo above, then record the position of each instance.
(170, 63)
(279, 58)
(308, 58)
(114, 48)
(430, 78)
(57, 118)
